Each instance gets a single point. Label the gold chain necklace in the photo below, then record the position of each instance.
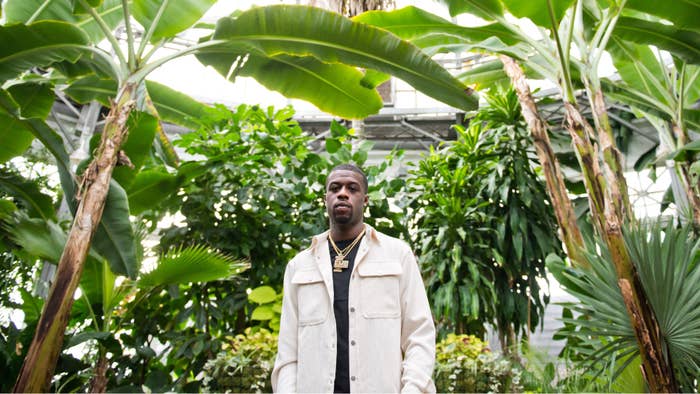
(339, 264)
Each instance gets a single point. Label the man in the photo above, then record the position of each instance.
(355, 316)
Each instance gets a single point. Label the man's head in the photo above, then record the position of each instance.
(346, 195)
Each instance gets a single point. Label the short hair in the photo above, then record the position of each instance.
(350, 167)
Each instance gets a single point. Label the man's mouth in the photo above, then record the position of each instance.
(342, 208)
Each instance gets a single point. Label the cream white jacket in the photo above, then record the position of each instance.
(391, 329)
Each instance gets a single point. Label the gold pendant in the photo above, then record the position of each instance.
(340, 264)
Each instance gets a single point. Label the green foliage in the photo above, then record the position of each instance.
(465, 364)
(484, 225)
(666, 258)
(269, 306)
(244, 365)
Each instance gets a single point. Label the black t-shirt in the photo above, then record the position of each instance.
(341, 284)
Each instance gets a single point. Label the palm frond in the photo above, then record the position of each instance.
(666, 258)
(192, 264)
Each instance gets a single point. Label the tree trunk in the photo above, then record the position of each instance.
(40, 362)
(556, 188)
(612, 158)
(98, 382)
(656, 368)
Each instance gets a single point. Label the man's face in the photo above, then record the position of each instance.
(345, 197)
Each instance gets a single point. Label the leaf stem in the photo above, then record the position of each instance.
(567, 85)
(38, 11)
(129, 35)
(152, 27)
(108, 34)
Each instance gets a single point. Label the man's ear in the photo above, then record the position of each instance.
(366, 200)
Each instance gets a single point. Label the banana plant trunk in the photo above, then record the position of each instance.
(40, 362)
(656, 368)
(612, 158)
(563, 210)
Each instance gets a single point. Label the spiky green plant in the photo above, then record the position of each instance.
(666, 258)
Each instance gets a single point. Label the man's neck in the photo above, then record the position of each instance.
(341, 233)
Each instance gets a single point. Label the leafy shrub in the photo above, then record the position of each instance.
(465, 364)
(244, 365)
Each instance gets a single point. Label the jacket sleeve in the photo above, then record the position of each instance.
(417, 330)
(284, 373)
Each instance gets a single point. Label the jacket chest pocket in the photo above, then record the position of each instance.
(379, 290)
(312, 297)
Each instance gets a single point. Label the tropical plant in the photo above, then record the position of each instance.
(244, 365)
(465, 364)
(662, 89)
(666, 258)
(45, 42)
(484, 225)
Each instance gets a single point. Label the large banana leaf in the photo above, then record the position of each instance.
(149, 188)
(684, 14)
(681, 42)
(32, 101)
(335, 88)
(114, 238)
(27, 193)
(110, 11)
(538, 10)
(486, 9)
(411, 22)
(171, 17)
(331, 38)
(640, 69)
(39, 45)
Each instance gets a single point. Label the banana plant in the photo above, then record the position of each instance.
(300, 51)
(107, 302)
(662, 90)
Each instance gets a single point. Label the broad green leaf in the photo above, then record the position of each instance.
(538, 10)
(15, 136)
(34, 99)
(683, 43)
(110, 11)
(28, 195)
(262, 295)
(91, 88)
(334, 88)
(373, 78)
(176, 16)
(331, 38)
(7, 207)
(485, 75)
(411, 22)
(641, 70)
(176, 107)
(192, 264)
(114, 238)
(84, 336)
(149, 188)
(38, 45)
(142, 131)
(263, 312)
(38, 237)
(684, 14)
(332, 145)
(486, 9)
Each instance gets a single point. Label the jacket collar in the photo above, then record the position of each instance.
(322, 239)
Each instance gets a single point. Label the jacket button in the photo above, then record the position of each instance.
(352, 378)
(352, 343)
(352, 309)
